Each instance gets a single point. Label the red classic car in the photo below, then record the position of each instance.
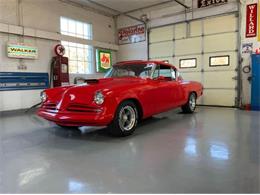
(131, 91)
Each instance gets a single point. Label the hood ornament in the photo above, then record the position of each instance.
(72, 97)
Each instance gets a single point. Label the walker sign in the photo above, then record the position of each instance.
(132, 34)
(251, 20)
(22, 51)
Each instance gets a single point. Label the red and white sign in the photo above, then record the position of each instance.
(132, 34)
(59, 50)
(251, 20)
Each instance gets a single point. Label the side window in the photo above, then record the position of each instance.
(166, 71)
(156, 73)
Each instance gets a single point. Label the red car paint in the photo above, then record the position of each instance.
(75, 106)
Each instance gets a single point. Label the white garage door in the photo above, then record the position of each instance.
(205, 50)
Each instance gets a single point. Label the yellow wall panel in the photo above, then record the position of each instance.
(181, 31)
(196, 28)
(220, 24)
(188, 46)
(161, 34)
(161, 49)
(220, 42)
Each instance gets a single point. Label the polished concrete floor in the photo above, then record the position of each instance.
(216, 150)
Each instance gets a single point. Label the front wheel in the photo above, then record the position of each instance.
(125, 120)
(190, 106)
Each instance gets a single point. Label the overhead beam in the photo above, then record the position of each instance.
(149, 6)
(116, 11)
(182, 4)
(86, 7)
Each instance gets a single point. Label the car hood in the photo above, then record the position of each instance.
(84, 93)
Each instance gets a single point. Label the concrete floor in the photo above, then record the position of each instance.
(216, 150)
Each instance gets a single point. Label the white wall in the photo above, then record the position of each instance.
(135, 51)
(43, 15)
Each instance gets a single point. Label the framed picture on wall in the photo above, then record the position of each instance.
(104, 60)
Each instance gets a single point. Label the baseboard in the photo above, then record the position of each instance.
(217, 106)
(17, 112)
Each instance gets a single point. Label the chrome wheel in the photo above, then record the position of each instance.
(127, 118)
(192, 102)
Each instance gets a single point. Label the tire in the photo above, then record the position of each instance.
(125, 121)
(190, 106)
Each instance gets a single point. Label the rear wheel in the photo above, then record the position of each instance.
(125, 120)
(190, 106)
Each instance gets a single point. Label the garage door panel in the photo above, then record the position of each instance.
(170, 60)
(195, 28)
(162, 34)
(191, 76)
(214, 38)
(188, 46)
(220, 24)
(219, 97)
(161, 49)
(233, 61)
(220, 42)
(180, 31)
(176, 62)
(220, 79)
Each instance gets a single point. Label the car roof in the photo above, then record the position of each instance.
(135, 62)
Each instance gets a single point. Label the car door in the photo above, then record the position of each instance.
(178, 92)
(168, 88)
(173, 86)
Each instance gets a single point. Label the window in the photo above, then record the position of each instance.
(80, 57)
(164, 71)
(131, 70)
(188, 63)
(75, 28)
(219, 61)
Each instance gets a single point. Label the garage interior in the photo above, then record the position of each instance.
(214, 150)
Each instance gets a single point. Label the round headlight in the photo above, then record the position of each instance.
(43, 96)
(99, 98)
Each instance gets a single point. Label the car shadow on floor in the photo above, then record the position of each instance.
(145, 127)
(99, 133)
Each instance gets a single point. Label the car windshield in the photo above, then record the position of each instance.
(131, 70)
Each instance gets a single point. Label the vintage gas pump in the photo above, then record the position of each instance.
(60, 67)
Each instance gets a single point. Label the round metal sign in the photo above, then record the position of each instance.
(59, 50)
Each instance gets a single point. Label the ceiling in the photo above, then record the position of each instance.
(128, 5)
(115, 7)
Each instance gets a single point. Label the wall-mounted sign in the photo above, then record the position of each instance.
(22, 51)
(104, 60)
(132, 34)
(59, 50)
(23, 81)
(206, 3)
(247, 48)
(251, 20)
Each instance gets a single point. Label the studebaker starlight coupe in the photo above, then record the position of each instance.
(131, 91)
